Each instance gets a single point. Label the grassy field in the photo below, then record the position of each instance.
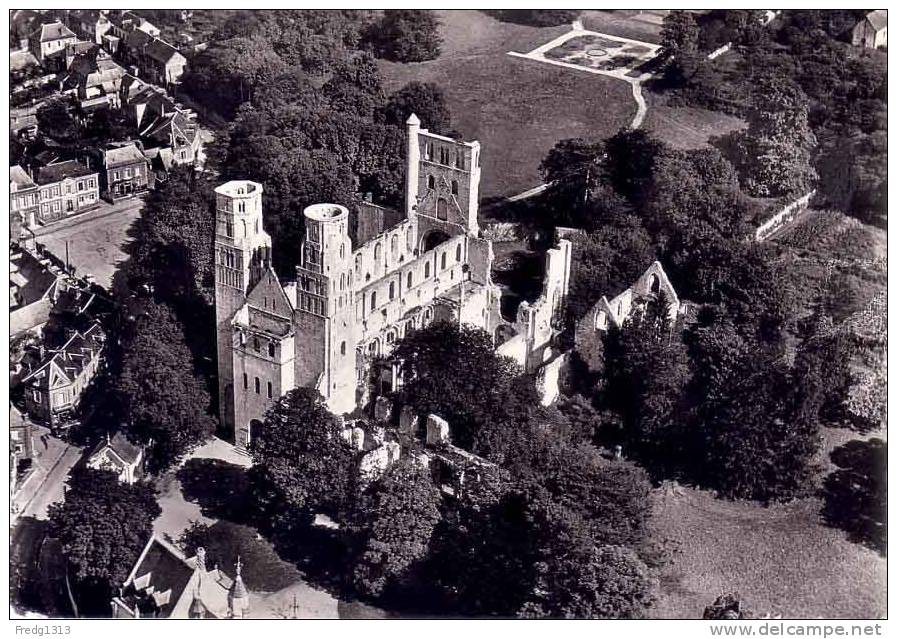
(686, 127)
(518, 109)
(782, 560)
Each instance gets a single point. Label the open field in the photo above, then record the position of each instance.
(516, 108)
(625, 24)
(686, 127)
(782, 560)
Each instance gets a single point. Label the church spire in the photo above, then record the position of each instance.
(239, 596)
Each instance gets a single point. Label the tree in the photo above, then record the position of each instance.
(606, 582)
(394, 519)
(574, 171)
(679, 33)
(646, 368)
(103, 525)
(774, 152)
(172, 249)
(853, 176)
(454, 372)
(162, 401)
(607, 261)
(536, 17)
(55, 120)
(629, 162)
(354, 87)
(302, 465)
(424, 99)
(405, 35)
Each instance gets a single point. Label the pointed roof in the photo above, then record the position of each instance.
(55, 31)
(878, 19)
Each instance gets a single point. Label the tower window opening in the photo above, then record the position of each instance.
(270, 390)
(410, 279)
(431, 182)
(427, 269)
(230, 228)
(245, 381)
(342, 348)
(458, 253)
(373, 300)
(392, 290)
(258, 386)
(255, 344)
(454, 187)
(271, 349)
(442, 209)
(442, 261)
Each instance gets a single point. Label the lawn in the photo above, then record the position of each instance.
(517, 108)
(624, 24)
(782, 560)
(684, 127)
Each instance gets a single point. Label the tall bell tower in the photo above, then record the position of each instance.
(242, 253)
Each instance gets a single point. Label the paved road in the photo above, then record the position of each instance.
(96, 240)
(50, 490)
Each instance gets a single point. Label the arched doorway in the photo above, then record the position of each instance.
(432, 239)
(255, 430)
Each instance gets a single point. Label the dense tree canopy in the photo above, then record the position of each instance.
(164, 404)
(424, 99)
(103, 525)
(405, 35)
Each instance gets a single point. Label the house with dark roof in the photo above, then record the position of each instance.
(119, 455)
(66, 188)
(24, 201)
(125, 171)
(34, 286)
(165, 584)
(94, 77)
(872, 31)
(55, 387)
(174, 138)
(48, 42)
(157, 61)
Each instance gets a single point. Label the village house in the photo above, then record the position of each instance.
(66, 188)
(35, 284)
(608, 313)
(95, 79)
(119, 455)
(164, 584)
(173, 138)
(91, 24)
(124, 172)
(156, 60)
(48, 43)
(24, 201)
(872, 31)
(55, 387)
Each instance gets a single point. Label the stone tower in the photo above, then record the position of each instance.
(324, 314)
(242, 255)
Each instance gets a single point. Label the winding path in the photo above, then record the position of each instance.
(635, 83)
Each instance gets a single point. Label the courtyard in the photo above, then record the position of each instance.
(94, 242)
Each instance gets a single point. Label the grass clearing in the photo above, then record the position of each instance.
(684, 127)
(517, 108)
(780, 559)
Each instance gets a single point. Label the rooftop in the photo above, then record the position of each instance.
(61, 170)
(20, 178)
(55, 31)
(122, 155)
(878, 19)
(122, 447)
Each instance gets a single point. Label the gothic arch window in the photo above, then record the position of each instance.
(374, 348)
(654, 284)
(271, 349)
(342, 251)
(241, 207)
(255, 344)
(454, 187)
(427, 269)
(256, 226)
(342, 281)
(373, 300)
(378, 250)
(458, 253)
(442, 261)
(442, 209)
(428, 315)
(270, 390)
(245, 381)
(229, 228)
(409, 280)
(394, 245)
(243, 227)
(358, 264)
(409, 240)
(390, 337)
(431, 182)
(258, 386)
(392, 290)
(342, 348)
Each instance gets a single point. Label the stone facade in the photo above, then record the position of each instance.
(606, 313)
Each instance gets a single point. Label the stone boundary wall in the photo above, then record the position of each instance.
(783, 217)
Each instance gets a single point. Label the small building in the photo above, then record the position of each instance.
(119, 455)
(165, 584)
(94, 77)
(162, 63)
(48, 43)
(56, 386)
(34, 286)
(24, 201)
(174, 137)
(608, 313)
(66, 188)
(872, 31)
(125, 172)
(21, 442)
